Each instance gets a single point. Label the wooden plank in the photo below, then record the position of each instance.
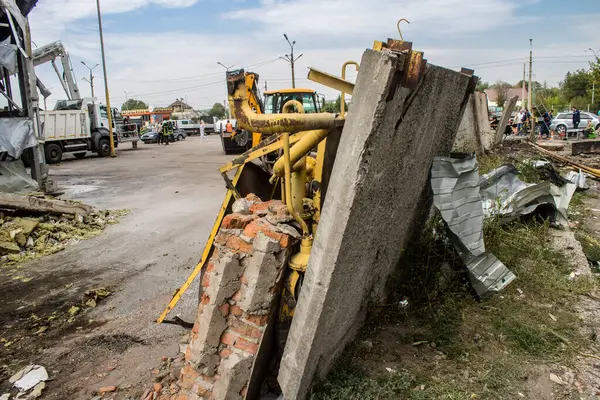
(41, 205)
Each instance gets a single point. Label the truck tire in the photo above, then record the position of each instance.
(104, 147)
(27, 158)
(53, 153)
(179, 137)
(80, 156)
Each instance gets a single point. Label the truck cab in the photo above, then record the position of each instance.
(275, 100)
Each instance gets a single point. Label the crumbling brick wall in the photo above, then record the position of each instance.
(239, 288)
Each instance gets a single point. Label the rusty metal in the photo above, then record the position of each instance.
(271, 123)
(414, 68)
(288, 107)
(467, 71)
(399, 45)
(331, 81)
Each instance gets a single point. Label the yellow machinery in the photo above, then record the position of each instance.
(287, 130)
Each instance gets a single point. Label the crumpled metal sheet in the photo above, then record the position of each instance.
(456, 194)
(16, 135)
(8, 55)
(577, 178)
(508, 197)
(14, 178)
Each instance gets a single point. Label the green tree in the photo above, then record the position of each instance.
(218, 110)
(501, 89)
(576, 85)
(133, 104)
(334, 106)
(481, 86)
(536, 85)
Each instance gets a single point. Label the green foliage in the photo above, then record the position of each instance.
(218, 110)
(576, 84)
(501, 89)
(133, 104)
(481, 86)
(334, 107)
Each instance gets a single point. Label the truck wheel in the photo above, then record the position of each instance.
(179, 138)
(27, 158)
(104, 147)
(53, 153)
(80, 155)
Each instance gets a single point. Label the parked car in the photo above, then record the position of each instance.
(564, 121)
(149, 137)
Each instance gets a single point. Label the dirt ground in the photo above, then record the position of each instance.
(174, 193)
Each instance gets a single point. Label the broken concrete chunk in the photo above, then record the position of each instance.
(9, 247)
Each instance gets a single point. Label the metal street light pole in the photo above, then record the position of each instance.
(227, 68)
(91, 81)
(126, 96)
(108, 108)
(290, 58)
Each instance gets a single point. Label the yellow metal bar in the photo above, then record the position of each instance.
(310, 140)
(288, 185)
(331, 81)
(254, 153)
(343, 95)
(205, 254)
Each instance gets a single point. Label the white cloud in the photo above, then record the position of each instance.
(159, 66)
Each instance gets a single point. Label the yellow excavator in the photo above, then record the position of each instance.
(274, 100)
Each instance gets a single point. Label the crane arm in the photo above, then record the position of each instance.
(49, 53)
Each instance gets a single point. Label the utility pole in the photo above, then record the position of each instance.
(523, 89)
(227, 68)
(593, 81)
(126, 96)
(91, 80)
(290, 58)
(108, 108)
(529, 95)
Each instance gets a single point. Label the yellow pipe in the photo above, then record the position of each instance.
(273, 123)
(300, 149)
(288, 185)
(291, 103)
(343, 95)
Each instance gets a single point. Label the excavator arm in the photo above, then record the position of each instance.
(49, 53)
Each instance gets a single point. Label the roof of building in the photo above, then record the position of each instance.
(492, 94)
(180, 104)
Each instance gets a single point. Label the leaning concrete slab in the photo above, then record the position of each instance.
(509, 107)
(474, 132)
(378, 189)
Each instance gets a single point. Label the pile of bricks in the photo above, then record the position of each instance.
(239, 288)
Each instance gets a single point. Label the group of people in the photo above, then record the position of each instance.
(523, 118)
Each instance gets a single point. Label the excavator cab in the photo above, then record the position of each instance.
(274, 100)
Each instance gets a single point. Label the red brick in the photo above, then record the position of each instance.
(107, 389)
(246, 346)
(236, 221)
(226, 352)
(261, 226)
(157, 387)
(205, 299)
(235, 310)
(253, 198)
(188, 377)
(244, 329)
(237, 244)
(260, 207)
(196, 327)
(210, 267)
(206, 279)
(222, 238)
(237, 296)
(182, 396)
(227, 338)
(224, 309)
(259, 320)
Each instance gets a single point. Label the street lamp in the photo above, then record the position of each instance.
(108, 108)
(226, 69)
(91, 80)
(126, 96)
(290, 58)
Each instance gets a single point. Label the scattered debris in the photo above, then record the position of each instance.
(552, 317)
(578, 178)
(456, 194)
(42, 205)
(92, 296)
(29, 377)
(107, 389)
(556, 379)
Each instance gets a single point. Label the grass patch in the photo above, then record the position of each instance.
(467, 347)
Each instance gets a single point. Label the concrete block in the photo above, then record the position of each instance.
(378, 190)
(265, 244)
(584, 146)
(235, 374)
(224, 278)
(474, 133)
(509, 107)
(211, 325)
(262, 271)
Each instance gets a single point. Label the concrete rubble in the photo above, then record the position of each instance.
(376, 197)
(475, 133)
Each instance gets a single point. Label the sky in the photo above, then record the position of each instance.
(161, 50)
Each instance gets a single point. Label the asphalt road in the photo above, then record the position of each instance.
(174, 193)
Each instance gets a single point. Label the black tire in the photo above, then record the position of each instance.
(561, 129)
(80, 156)
(104, 147)
(179, 138)
(53, 153)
